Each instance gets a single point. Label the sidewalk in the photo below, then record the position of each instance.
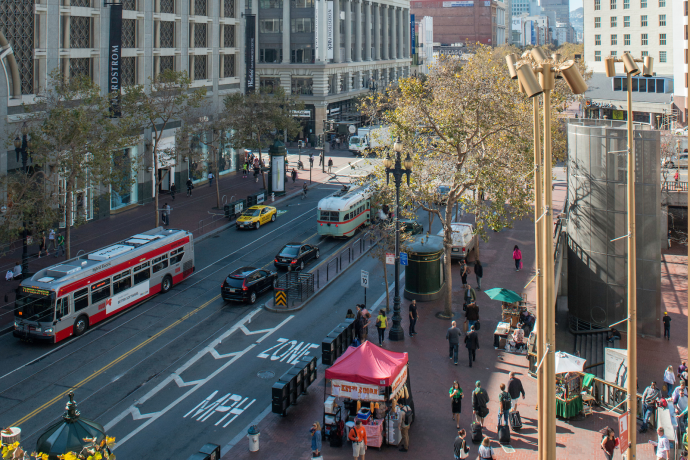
(197, 214)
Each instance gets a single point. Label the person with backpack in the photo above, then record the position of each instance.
(480, 402)
(406, 414)
(504, 405)
(517, 257)
(460, 448)
(381, 323)
(358, 436)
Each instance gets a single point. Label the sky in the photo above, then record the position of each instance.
(575, 4)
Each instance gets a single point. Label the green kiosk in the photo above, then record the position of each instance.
(424, 274)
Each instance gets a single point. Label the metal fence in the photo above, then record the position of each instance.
(673, 186)
(341, 260)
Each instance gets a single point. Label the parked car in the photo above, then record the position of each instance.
(464, 239)
(256, 216)
(683, 160)
(246, 283)
(296, 255)
(411, 226)
(442, 192)
(681, 131)
(669, 162)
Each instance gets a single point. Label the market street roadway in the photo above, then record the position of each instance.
(115, 364)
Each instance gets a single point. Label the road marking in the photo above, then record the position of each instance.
(196, 384)
(207, 408)
(293, 353)
(111, 364)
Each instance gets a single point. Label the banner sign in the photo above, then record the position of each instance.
(623, 431)
(358, 391)
(329, 31)
(127, 297)
(413, 46)
(317, 24)
(114, 59)
(250, 52)
(399, 381)
(458, 3)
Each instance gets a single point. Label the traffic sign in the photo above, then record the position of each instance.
(365, 279)
(390, 258)
(403, 258)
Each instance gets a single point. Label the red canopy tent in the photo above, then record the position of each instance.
(368, 364)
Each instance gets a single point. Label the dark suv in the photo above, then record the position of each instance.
(296, 255)
(246, 283)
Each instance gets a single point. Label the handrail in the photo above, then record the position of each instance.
(673, 186)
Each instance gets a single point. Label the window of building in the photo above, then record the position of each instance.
(302, 86)
(626, 21)
(597, 56)
(614, 21)
(662, 39)
(640, 84)
(229, 36)
(270, 4)
(613, 4)
(644, 40)
(271, 26)
(302, 3)
(626, 4)
(597, 40)
(200, 67)
(301, 53)
(200, 8)
(167, 63)
(662, 56)
(597, 5)
(200, 35)
(626, 40)
(614, 39)
(662, 3)
(597, 23)
(80, 67)
(80, 32)
(168, 6)
(614, 53)
(229, 69)
(645, 53)
(129, 33)
(124, 190)
(662, 20)
(267, 84)
(229, 8)
(643, 20)
(643, 3)
(302, 25)
(129, 71)
(167, 34)
(268, 55)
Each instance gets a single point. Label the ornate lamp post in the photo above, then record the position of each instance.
(398, 169)
(21, 148)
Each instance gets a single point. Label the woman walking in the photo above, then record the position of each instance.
(608, 444)
(381, 323)
(456, 396)
(517, 256)
(42, 244)
(460, 449)
(316, 439)
(669, 380)
(486, 452)
(479, 273)
(464, 271)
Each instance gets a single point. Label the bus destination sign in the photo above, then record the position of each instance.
(33, 290)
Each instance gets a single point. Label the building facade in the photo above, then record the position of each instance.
(680, 60)
(202, 37)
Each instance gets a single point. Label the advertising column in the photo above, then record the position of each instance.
(114, 58)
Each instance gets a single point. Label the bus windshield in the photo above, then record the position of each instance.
(34, 306)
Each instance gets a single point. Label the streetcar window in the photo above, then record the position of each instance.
(122, 281)
(142, 275)
(62, 308)
(159, 263)
(100, 291)
(81, 299)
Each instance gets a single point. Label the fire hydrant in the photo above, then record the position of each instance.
(253, 436)
(273, 197)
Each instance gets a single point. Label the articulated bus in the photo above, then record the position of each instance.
(340, 214)
(66, 299)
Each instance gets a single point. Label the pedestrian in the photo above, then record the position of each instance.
(358, 436)
(349, 314)
(613, 335)
(464, 271)
(414, 316)
(311, 160)
(649, 399)
(608, 443)
(321, 158)
(173, 190)
(210, 179)
(517, 256)
(190, 186)
(41, 244)
(680, 404)
(472, 344)
(669, 239)
(294, 175)
(460, 449)
(667, 326)
(472, 315)
(60, 245)
(663, 447)
(682, 368)
(51, 241)
(486, 452)
(17, 271)
(515, 389)
(470, 294)
(676, 177)
(366, 320)
(358, 328)
(244, 170)
(381, 323)
(316, 439)
(505, 403)
(455, 394)
(479, 273)
(330, 165)
(167, 212)
(405, 428)
(480, 403)
(669, 380)
(453, 337)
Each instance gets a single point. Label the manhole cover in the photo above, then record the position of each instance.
(265, 374)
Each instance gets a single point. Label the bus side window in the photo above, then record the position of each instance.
(81, 299)
(100, 291)
(62, 308)
(176, 256)
(159, 263)
(122, 281)
(142, 273)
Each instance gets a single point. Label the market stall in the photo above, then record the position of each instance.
(569, 370)
(370, 381)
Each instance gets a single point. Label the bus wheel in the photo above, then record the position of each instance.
(166, 284)
(81, 325)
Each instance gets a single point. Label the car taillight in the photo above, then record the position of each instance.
(275, 260)
(244, 286)
(463, 249)
(294, 261)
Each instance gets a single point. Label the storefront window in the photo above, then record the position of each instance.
(227, 161)
(198, 167)
(124, 191)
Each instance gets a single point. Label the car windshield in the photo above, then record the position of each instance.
(33, 307)
(290, 251)
(252, 213)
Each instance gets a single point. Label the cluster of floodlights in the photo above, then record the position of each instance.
(524, 68)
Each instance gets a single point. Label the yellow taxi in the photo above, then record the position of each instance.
(255, 216)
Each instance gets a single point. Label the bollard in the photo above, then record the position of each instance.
(273, 197)
(253, 436)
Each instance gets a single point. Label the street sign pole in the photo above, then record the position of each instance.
(365, 283)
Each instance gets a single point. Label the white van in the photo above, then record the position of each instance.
(464, 239)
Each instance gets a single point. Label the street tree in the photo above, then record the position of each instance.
(73, 139)
(468, 129)
(167, 99)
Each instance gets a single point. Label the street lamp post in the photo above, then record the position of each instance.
(398, 169)
(21, 148)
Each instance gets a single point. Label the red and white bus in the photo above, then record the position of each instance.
(66, 299)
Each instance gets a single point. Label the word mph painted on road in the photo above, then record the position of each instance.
(230, 404)
(287, 351)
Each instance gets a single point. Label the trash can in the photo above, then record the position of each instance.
(424, 275)
(253, 436)
(212, 450)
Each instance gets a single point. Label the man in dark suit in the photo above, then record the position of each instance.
(472, 344)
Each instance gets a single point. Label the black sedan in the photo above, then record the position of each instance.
(296, 255)
(246, 283)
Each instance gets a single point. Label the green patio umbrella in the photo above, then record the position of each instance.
(504, 295)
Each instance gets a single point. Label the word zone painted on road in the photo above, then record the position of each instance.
(287, 351)
(230, 404)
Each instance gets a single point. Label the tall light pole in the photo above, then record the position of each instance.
(398, 169)
(549, 68)
(21, 148)
(631, 70)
